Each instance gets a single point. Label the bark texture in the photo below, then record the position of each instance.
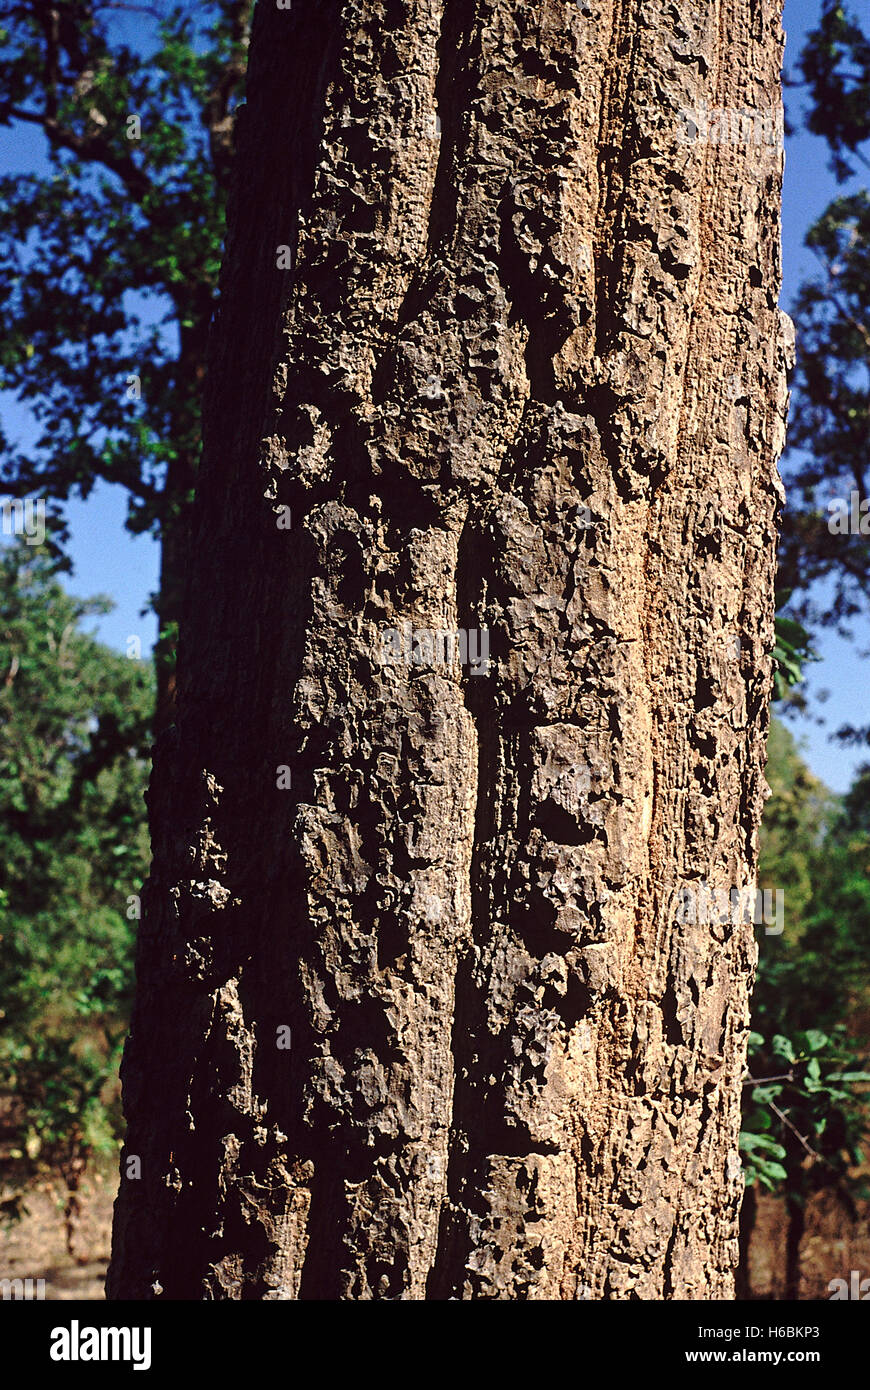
(527, 375)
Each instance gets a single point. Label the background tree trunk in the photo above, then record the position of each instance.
(527, 375)
(797, 1219)
(748, 1217)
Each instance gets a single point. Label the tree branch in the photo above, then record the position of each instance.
(93, 148)
(763, 1080)
(783, 1117)
(216, 115)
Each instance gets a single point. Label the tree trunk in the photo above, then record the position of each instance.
(525, 380)
(195, 310)
(174, 565)
(797, 1218)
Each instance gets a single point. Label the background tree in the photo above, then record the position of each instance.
(493, 391)
(805, 1098)
(131, 211)
(74, 728)
(828, 572)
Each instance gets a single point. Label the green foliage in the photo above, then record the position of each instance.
(805, 1098)
(805, 1112)
(791, 651)
(836, 65)
(116, 223)
(796, 817)
(74, 722)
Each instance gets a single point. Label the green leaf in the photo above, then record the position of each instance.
(783, 1047)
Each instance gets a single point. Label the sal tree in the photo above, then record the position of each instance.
(417, 1013)
(129, 209)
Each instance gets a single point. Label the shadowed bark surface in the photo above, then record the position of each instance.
(525, 380)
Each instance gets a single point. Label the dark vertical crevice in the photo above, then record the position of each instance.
(459, 51)
(615, 154)
(748, 1214)
(453, 1240)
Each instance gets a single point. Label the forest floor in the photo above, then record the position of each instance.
(36, 1246)
(834, 1244)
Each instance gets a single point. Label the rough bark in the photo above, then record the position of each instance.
(194, 307)
(527, 375)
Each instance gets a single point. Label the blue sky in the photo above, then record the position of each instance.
(107, 559)
(808, 188)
